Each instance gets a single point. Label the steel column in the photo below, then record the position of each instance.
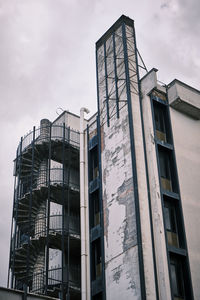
(116, 77)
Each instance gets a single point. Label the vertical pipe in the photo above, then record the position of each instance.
(83, 208)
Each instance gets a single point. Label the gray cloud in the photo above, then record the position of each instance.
(47, 60)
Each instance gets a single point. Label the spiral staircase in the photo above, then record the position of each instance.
(45, 241)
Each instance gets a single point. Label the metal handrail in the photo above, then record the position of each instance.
(56, 178)
(40, 228)
(71, 136)
(54, 278)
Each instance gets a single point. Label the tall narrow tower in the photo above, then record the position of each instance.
(119, 125)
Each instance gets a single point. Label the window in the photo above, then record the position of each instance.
(96, 259)
(170, 223)
(95, 209)
(160, 123)
(165, 171)
(94, 171)
(177, 279)
(97, 297)
(96, 212)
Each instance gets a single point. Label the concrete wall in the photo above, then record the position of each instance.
(148, 83)
(9, 294)
(185, 93)
(121, 256)
(70, 119)
(186, 133)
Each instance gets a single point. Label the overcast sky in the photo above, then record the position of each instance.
(47, 60)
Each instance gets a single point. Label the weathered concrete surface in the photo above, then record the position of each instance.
(156, 205)
(121, 256)
(186, 134)
(10, 294)
(123, 276)
(141, 168)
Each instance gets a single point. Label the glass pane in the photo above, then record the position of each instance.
(167, 218)
(174, 279)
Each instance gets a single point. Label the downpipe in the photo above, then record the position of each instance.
(83, 207)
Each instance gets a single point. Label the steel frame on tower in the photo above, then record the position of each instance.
(45, 233)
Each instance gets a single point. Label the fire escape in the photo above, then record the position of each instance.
(45, 238)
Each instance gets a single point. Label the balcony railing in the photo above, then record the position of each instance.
(40, 180)
(55, 278)
(57, 134)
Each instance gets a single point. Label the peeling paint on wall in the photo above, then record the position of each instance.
(121, 256)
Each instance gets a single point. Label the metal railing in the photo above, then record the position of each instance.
(55, 278)
(57, 134)
(56, 178)
(55, 225)
(39, 227)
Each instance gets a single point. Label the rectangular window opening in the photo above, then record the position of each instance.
(94, 170)
(165, 171)
(177, 279)
(97, 297)
(95, 209)
(96, 259)
(162, 128)
(171, 224)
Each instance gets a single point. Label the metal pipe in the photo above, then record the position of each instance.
(83, 207)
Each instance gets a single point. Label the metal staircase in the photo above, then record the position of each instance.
(45, 239)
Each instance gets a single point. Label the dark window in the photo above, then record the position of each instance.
(160, 122)
(97, 297)
(96, 259)
(96, 212)
(159, 119)
(94, 170)
(95, 209)
(164, 165)
(170, 219)
(165, 170)
(170, 223)
(177, 278)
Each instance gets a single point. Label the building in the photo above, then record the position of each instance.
(138, 200)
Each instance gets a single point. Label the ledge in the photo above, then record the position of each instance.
(184, 99)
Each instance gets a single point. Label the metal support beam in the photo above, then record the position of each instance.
(116, 77)
(106, 80)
